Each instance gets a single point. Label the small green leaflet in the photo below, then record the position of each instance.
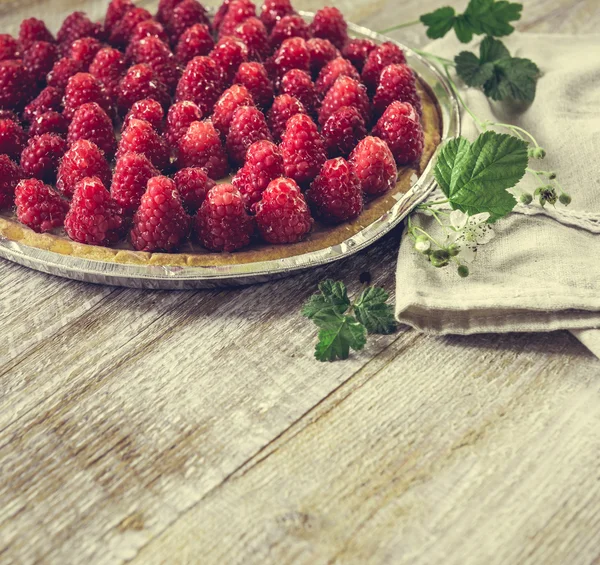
(332, 299)
(489, 17)
(338, 336)
(475, 176)
(372, 311)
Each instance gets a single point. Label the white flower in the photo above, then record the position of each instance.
(468, 232)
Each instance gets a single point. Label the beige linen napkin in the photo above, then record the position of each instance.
(542, 270)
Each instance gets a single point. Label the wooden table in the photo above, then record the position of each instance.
(196, 427)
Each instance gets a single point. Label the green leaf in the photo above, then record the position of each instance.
(492, 50)
(372, 311)
(463, 29)
(453, 152)
(470, 69)
(513, 78)
(332, 299)
(438, 22)
(492, 17)
(339, 336)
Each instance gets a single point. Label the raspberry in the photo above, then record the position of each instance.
(185, 15)
(282, 216)
(254, 34)
(180, 117)
(302, 149)
(129, 181)
(298, 84)
(342, 131)
(115, 12)
(84, 50)
(237, 12)
(41, 156)
(160, 223)
(94, 217)
(83, 159)
(140, 137)
(273, 10)
(154, 53)
(32, 30)
(263, 164)
(76, 26)
(108, 67)
(195, 41)
(321, 52)
(39, 59)
(255, 78)
(329, 23)
(10, 175)
(39, 206)
(293, 54)
(374, 165)
(357, 51)
(92, 123)
(149, 110)
(284, 107)
(222, 223)
(9, 115)
(140, 83)
(201, 83)
(234, 97)
(12, 138)
(229, 53)
(346, 92)
(400, 128)
(286, 27)
(62, 71)
(147, 28)
(336, 194)
(49, 122)
(84, 88)
(9, 47)
(13, 84)
(396, 82)
(201, 146)
(165, 10)
(247, 126)
(49, 99)
(123, 30)
(332, 71)
(193, 185)
(383, 55)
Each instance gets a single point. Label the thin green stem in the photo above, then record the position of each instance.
(425, 205)
(477, 121)
(515, 129)
(442, 60)
(400, 26)
(416, 228)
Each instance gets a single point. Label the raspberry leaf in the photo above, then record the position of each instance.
(338, 336)
(439, 22)
(470, 69)
(492, 50)
(373, 312)
(331, 301)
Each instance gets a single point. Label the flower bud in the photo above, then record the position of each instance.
(422, 244)
(564, 199)
(453, 250)
(526, 198)
(463, 271)
(552, 176)
(439, 258)
(547, 194)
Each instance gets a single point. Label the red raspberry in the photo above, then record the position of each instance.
(357, 51)
(336, 194)
(39, 206)
(374, 165)
(83, 159)
(33, 30)
(10, 175)
(14, 84)
(346, 92)
(255, 78)
(49, 122)
(229, 53)
(109, 67)
(222, 223)
(62, 71)
(160, 223)
(247, 126)
(201, 83)
(293, 54)
(263, 164)
(9, 47)
(147, 28)
(321, 52)
(397, 82)
(400, 128)
(180, 117)
(298, 84)
(48, 100)
(378, 59)
(329, 23)
(140, 137)
(195, 41)
(254, 34)
(9, 115)
(273, 10)
(342, 131)
(238, 11)
(154, 53)
(332, 71)
(284, 107)
(282, 216)
(41, 156)
(12, 138)
(115, 12)
(165, 10)
(286, 27)
(92, 123)
(193, 185)
(141, 83)
(185, 15)
(131, 176)
(39, 59)
(84, 50)
(76, 26)
(302, 149)
(201, 146)
(149, 110)
(94, 217)
(234, 97)
(123, 30)
(84, 88)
